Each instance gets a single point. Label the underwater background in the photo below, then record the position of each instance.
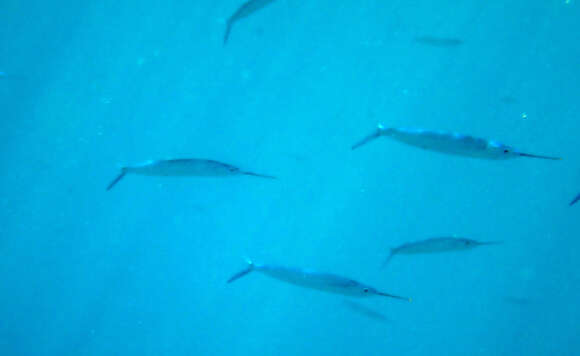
(141, 270)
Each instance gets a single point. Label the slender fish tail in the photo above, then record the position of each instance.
(258, 175)
(575, 200)
(242, 273)
(541, 157)
(367, 139)
(116, 180)
(389, 258)
(395, 296)
(228, 30)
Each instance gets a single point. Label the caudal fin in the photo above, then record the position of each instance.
(389, 258)
(258, 175)
(541, 157)
(116, 180)
(368, 138)
(227, 33)
(575, 200)
(242, 273)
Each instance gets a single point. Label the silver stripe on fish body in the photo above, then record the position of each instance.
(449, 143)
(189, 167)
(326, 282)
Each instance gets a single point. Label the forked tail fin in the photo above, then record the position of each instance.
(258, 175)
(228, 30)
(116, 180)
(368, 138)
(575, 200)
(389, 258)
(242, 273)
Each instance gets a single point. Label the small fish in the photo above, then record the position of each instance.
(247, 8)
(436, 245)
(449, 143)
(326, 282)
(439, 41)
(185, 168)
(575, 200)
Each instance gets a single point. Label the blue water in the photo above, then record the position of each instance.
(141, 270)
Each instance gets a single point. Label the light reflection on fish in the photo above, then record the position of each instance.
(325, 282)
(245, 10)
(439, 41)
(436, 245)
(449, 143)
(189, 167)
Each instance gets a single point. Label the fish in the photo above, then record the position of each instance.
(245, 10)
(449, 143)
(189, 167)
(439, 41)
(326, 282)
(437, 245)
(575, 200)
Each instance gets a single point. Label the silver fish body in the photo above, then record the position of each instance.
(451, 143)
(190, 167)
(183, 167)
(437, 245)
(326, 282)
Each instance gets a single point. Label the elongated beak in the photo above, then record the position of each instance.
(394, 296)
(541, 157)
(490, 243)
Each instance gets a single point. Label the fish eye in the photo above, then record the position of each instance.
(506, 151)
(366, 290)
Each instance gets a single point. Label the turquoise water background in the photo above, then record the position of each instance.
(142, 269)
